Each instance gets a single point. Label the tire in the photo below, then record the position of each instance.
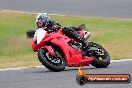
(44, 59)
(105, 59)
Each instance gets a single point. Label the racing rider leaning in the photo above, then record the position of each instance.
(43, 21)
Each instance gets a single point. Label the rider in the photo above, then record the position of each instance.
(43, 21)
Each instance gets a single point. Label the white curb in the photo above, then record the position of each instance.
(63, 15)
(21, 68)
(121, 60)
(28, 12)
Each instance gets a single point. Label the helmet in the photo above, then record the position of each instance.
(42, 18)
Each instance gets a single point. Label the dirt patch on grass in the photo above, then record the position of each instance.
(121, 49)
(19, 61)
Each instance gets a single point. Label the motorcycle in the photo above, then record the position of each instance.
(56, 51)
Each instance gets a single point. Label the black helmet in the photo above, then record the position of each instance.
(43, 18)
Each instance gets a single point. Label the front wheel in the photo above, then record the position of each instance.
(100, 55)
(54, 63)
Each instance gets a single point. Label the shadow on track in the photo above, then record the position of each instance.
(67, 69)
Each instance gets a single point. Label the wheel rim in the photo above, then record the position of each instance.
(101, 54)
(56, 61)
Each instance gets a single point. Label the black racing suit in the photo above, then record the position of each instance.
(68, 31)
(72, 32)
(52, 26)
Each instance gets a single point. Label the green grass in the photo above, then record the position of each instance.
(15, 49)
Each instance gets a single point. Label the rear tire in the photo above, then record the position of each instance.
(105, 59)
(44, 59)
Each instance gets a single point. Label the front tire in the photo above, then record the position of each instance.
(100, 61)
(48, 61)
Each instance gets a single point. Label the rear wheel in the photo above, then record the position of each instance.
(54, 63)
(101, 56)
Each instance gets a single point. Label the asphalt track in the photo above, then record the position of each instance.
(43, 78)
(96, 8)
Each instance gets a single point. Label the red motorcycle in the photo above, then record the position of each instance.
(56, 50)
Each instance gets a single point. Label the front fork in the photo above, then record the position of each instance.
(50, 49)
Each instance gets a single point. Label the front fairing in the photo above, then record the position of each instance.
(39, 35)
(36, 44)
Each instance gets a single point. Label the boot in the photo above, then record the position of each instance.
(85, 46)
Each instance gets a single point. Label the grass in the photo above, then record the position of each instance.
(15, 49)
